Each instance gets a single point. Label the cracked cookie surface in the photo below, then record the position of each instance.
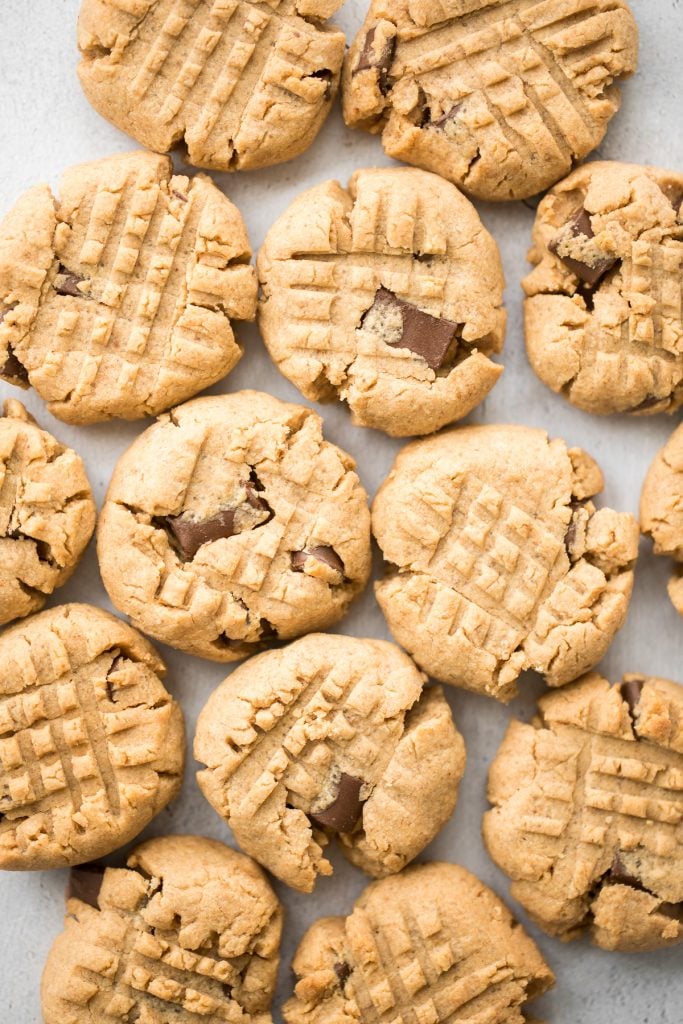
(47, 513)
(116, 298)
(661, 509)
(603, 308)
(387, 295)
(242, 83)
(431, 944)
(231, 523)
(499, 560)
(588, 806)
(501, 97)
(330, 736)
(91, 744)
(189, 930)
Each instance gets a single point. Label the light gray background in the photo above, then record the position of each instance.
(47, 125)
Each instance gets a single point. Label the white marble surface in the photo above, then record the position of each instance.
(47, 125)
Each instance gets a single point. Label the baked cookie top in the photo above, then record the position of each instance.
(502, 97)
(431, 944)
(230, 523)
(91, 744)
(241, 83)
(330, 736)
(47, 513)
(661, 508)
(588, 805)
(189, 930)
(387, 295)
(603, 308)
(499, 561)
(116, 298)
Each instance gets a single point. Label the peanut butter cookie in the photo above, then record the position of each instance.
(661, 509)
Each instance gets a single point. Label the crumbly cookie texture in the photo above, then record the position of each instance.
(499, 559)
(47, 513)
(588, 805)
(387, 295)
(189, 930)
(116, 298)
(661, 509)
(91, 744)
(241, 83)
(501, 98)
(603, 307)
(231, 523)
(330, 736)
(431, 944)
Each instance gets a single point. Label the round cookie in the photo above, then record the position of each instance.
(189, 930)
(588, 804)
(501, 98)
(330, 736)
(387, 295)
(661, 508)
(47, 513)
(91, 744)
(499, 560)
(603, 308)
(116, 298)
(231, 523)
(240, 83)
(431, 944)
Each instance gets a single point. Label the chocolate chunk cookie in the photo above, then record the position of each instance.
(501, 98)
(661, 509)
(499, 560)
(603, 307)
(432, 944)
(387, 295)
(47, 513)
(189, 930)
(231, 523)
(588, 806)
(241, 83)
(117, 298)
(91, 744)
(331, 736)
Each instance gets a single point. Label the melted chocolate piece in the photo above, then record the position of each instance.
(68, 283)
(191, 534)
(366, 61)
(14, 370)
(450, 115)
(254, 489)
(620, 876)
(327, 555)
(85, 883)
(570, 535)
(326, 75)
(345, 809)
(343, 972)
(580, 225)
(429, 337)
(631, 691)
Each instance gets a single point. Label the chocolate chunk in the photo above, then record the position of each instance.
(450, 115)
(327, 555)
(429, 337)
(255, 489)
(191, 534)
(85, 883)
(570, 535)
(13, 370)
(326, 75)
(579, 225)
(631, 690)
(382, 62)
(672, 910)
(345, 809)
(620, 876)
(343, 972)
(66, 283)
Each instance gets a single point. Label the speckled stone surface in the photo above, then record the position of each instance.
(48, 125)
